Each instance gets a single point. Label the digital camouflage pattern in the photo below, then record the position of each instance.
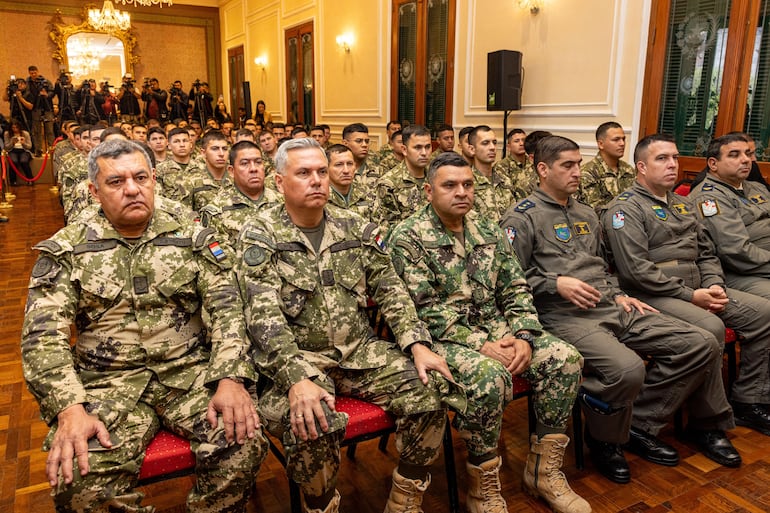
(230, 210)
(137, 308)
(523, 177)
(61, 149)
(358, 200)
(388, 162)
(78, 200)
(198, 187)
(74, 170)
(493, 195)
(368, 173)
(399, 195)
(599, 184)
(169, 174)
(305, 313)
(472, 293)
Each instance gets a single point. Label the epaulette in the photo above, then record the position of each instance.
(524, 206)
(412, 251)
(625, 195)
(49, 246)
(368, 230)
(707, 187)
(200, 240)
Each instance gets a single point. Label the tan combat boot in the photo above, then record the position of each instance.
(406, 494)
(543, 476)
(484, 488)
(332, 507)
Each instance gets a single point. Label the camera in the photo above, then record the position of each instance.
(197, 84)
(64, 78)
(41, 83)
(12, 87)
(107, 87)
(128, 82)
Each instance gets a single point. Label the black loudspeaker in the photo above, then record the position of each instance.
(247, 99)
(504, 79)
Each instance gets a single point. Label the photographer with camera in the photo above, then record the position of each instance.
(129, 97)
(178, 101)
(109, 103)
(40, 93)
(155, 100)
(68, 98)
(21, 107)
(201, 99)
(90, 101)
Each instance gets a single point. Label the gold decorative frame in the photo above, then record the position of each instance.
(60, 32)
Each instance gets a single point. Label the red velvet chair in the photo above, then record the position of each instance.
(168, 456)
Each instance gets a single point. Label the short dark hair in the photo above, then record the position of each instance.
(240, 146)
(111, 130)
(31, 68)
(476, 129)
(156, 130)
(244, 131)
(396, 134)
(324, 126)
(601, 131)
(413, 131)
(447, 158)
(549, 148)
(514, 132)
(715, 146)
(177, 131)
(212, 135)
(335, 149)
(645, 143)
(464, 131)
(444, 128)
(279, 125)
(316, 127)
(530, 142)
(298, 130)
(354, 127)
(391, 123)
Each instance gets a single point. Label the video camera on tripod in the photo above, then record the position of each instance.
(128, 82)
(12, 87)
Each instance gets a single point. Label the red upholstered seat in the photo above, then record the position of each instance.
(520, 387)
(364, 418)
(730, 336)
(166, 454)
(683, 189)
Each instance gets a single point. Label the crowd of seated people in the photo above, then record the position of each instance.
(201, 256)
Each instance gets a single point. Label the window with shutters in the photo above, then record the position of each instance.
(708, 73)
(423, 61)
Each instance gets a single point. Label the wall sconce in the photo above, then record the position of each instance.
(533, 5)
(261, 62)
(345, 41)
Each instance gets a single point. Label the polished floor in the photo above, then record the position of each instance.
(696, 486)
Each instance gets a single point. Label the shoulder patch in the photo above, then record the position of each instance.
(709, 207)
(254, 255)
(625, 195)
(411, 251)
(510, 232)
(618, 220)
(367, 234)
(250, 236)
(200, 240)
(524, 206)
(43, 266)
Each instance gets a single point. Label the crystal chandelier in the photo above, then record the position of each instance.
(109, 18)
(146, 3)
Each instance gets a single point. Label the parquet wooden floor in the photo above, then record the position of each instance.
(696, 486)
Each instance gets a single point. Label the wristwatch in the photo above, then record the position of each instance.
(527, 337)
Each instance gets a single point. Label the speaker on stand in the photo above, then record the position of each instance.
(504, 84)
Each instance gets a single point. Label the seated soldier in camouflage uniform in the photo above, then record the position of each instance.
(517, 165)
(305, 270)
(607, 175)
(395, 155)
(234, 206)
(134, 277)
(469, 289)
(199, 186)
(400, 191)
(356, 137)
(171, 171)
(344, 190)
(493, 189)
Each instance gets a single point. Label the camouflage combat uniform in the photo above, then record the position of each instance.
(553, 240)
(472, 293)
(358, 200)
(493, 195)
(305, 315)
(523, 177)
(388, 162)
(738, 221)
(74, 170)
(230, 210)
(368, 174)
(142, 352)
(198, 187)
(599, 184)
(169, 174)
(399, 195)
(62, 149)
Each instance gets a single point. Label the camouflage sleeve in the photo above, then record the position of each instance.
(45, 340)
(514, 295)
(445, 323)
(590, 189)
(230, 348)
(385, 210)
(390, 294)
(274, 348)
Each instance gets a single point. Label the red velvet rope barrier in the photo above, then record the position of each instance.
(19, 174)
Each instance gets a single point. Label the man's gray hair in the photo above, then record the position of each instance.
(113, 149)
(282, 157)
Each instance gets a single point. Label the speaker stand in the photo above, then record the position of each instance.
(506, 113)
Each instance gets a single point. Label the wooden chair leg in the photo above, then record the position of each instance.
(383, 445)
(450, 469)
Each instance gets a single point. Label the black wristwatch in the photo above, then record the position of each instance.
(526, 336)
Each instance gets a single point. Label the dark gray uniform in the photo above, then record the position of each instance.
(552, 240)
(738, 221)
(662, 253)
